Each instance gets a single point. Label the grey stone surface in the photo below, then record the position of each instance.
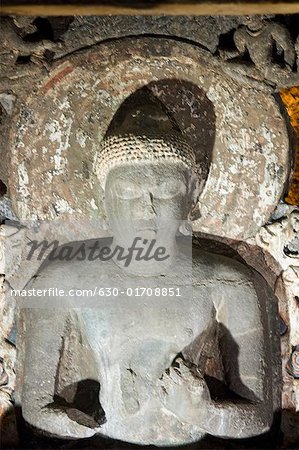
(134, 367)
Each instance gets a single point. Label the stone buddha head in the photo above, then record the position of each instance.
(149, 175)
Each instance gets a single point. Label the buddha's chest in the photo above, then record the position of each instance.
(146, 321)
(132, 318)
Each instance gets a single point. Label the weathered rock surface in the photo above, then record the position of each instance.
(55, 135)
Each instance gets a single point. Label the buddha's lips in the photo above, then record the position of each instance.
(148, 233)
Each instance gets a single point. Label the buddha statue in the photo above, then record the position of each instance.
(161, 369)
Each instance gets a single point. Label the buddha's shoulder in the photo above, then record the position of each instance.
(212, 265)
(74, 260)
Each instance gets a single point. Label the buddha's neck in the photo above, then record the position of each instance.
(144, 257)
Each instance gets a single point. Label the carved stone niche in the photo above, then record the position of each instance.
(57, 132)
(162, 372)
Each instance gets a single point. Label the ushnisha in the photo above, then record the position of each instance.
(127, 149)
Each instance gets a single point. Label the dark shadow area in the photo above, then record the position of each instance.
(30, 440)
(3, 188)
(278, 55)
(215, 354)
(208, 244)
(44, 31)
(226, 41)
(283, 328)
(85, 407)
(49, 28)
(23, 59)
(291, 22)
(227, 44)
(229, 351)
(3, 114)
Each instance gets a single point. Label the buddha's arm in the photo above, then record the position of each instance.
(43, 347)
(243, 344)
(232, 419)
(241, 324)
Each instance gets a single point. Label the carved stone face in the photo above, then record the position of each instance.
(148, 200)
(254, 23)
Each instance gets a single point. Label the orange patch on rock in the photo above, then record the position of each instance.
(290, 98)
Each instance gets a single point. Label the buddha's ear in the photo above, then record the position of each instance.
(195, 213)
(196, 187)
(185, 228)
(107, 222)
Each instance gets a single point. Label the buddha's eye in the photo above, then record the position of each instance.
(127, 191)
(170, 188)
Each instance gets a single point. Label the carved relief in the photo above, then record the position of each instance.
(270, 49)
(280, 239)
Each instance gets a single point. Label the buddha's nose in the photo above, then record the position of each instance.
(149, 212)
